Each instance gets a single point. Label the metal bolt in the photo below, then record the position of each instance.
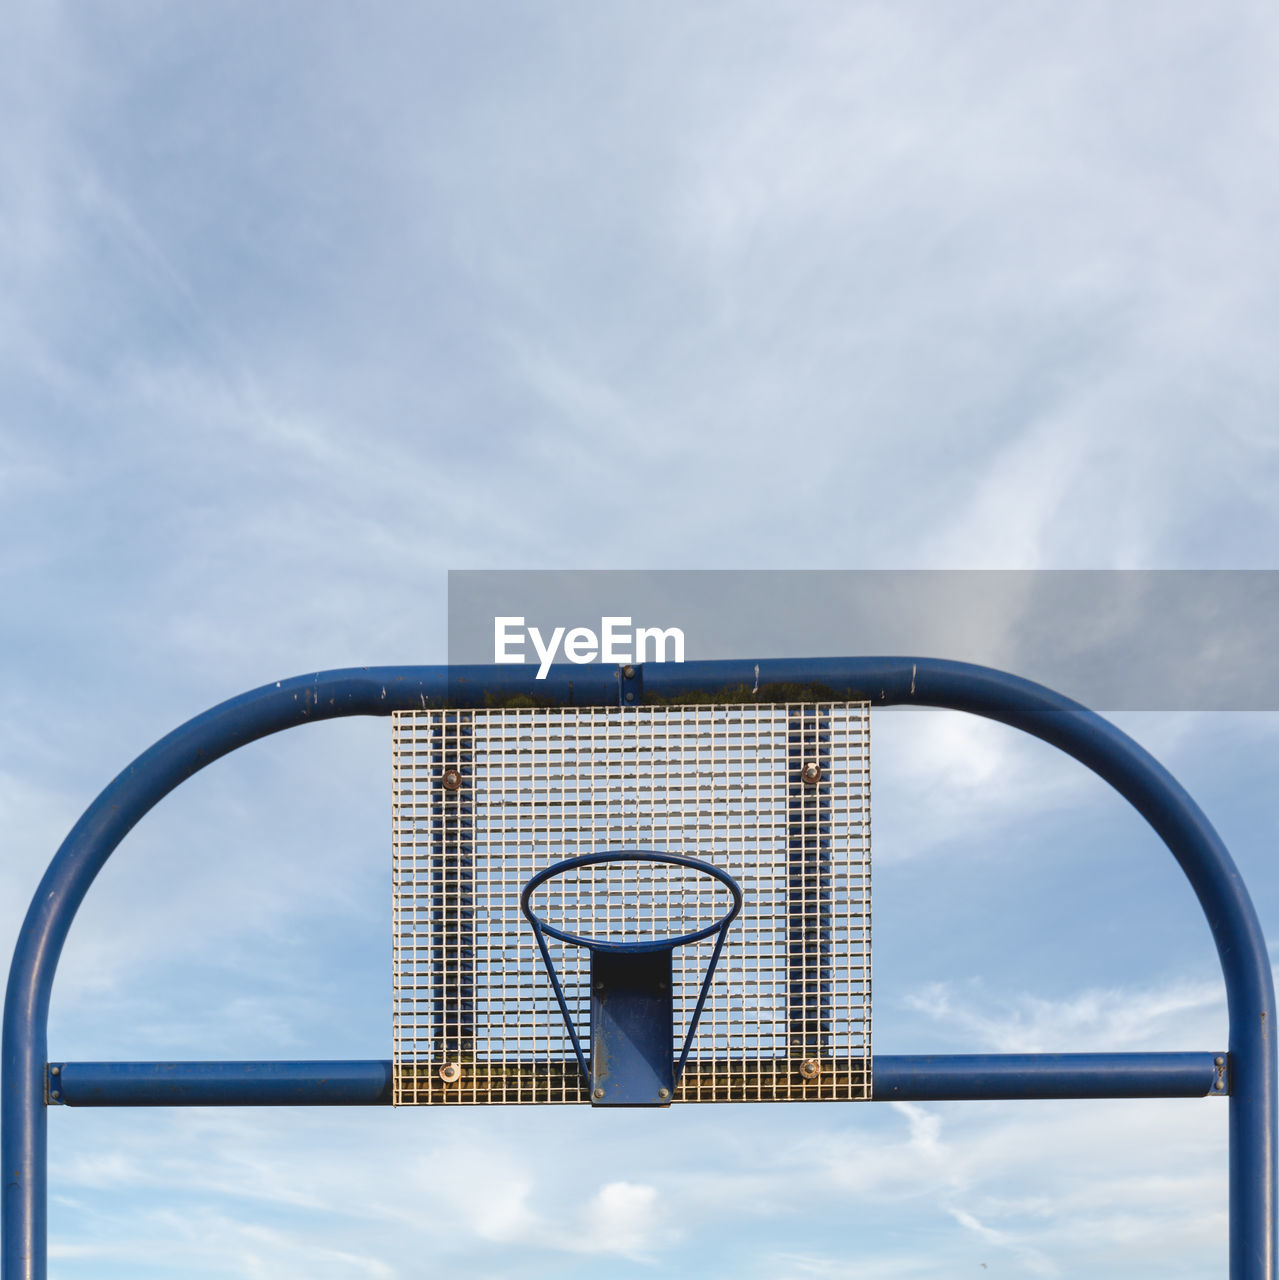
(55, 1096)
(1221, 1084)
(628, 672)
(810, 1069)
(452, 780)
(55, 1070)
(599, 1093)
(630, 697)
(450, 1072)
(1220, 1062)
(599, 986)
(663, 1093)
(811, 773)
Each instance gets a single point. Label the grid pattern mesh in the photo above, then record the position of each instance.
(483, 799)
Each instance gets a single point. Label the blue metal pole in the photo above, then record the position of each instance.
(901, 1078)
(1014, 1076)
(359, 691)
(1161, 800)
(884, 681)
(221, 1084)
(23, 1150)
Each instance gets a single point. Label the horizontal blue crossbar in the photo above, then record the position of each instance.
(902, 1078)
(910, 1078)
(220, 1084)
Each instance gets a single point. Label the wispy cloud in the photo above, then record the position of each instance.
(1115, 1019)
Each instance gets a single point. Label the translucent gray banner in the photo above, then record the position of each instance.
(1116, 640)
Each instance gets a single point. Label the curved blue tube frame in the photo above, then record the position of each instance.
(927, 682)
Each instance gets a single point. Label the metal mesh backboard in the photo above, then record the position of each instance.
(485, 798)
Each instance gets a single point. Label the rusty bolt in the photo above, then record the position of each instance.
(452, 780)
(810, 1068)
(811, 773)
(450, 1073)
(628, 672)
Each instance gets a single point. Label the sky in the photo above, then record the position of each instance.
(303, 306)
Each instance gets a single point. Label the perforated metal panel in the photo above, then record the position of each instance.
(485, 798)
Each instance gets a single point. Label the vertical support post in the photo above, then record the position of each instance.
(808, 884)
(1253, 1105)
(26, 1132)
(453, 890)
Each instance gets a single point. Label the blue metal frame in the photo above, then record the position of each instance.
(897, 1078)
(1113, 756)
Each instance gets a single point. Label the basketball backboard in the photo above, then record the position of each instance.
(776, 796)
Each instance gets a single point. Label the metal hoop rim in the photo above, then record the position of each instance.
(718, 925)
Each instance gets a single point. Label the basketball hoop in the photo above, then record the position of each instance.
(632, 1011)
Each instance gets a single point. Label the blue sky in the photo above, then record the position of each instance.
(302, 307)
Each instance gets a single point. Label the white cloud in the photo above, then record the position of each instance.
(622, 1217)
(1115, 1019)
(946, 777)
(1034, 1261)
